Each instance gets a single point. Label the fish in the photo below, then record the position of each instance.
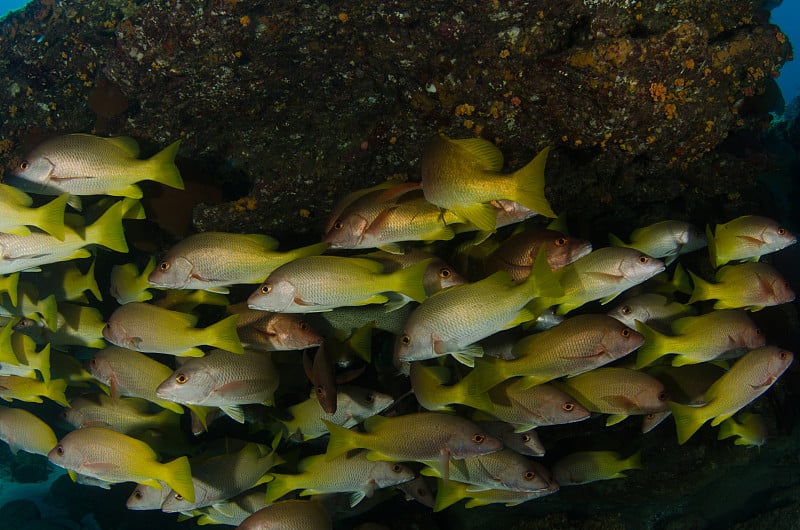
(29, 253)
(32, 305)
(147, 497)
(350, 473)
(747, 238)
(749, 377)
(439, 274)
(221, 477)
(584, 467)
(524, 443)
(8, 285)
(76, 325)
(464, 176)
(127, 415)
(23, 430)
(751, 286)
(223, 379)
(664, 239)
(234, 511)
(504, 469)
(19, 355)
(212, 261)
(353, 405)
(516, 254)
(149, 328)
(446, 323)
(620, 392)
(321, 373)
(130, 373)
(426, 437)
(322, 283)
(653, 309)
(429, 384)
(114, 457)
(68, 283)
(688, 383)
(749, 429)
(17, 215)
(187, 301)
(450, 492)
(700, 338)
(13, 387)
(289, 515)
(128, 284)
(376, 194)
(577, 345)
(84, 164)
(533, 407)
(268, 331)
(600, 275)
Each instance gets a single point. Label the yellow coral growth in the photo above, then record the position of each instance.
(658, 91)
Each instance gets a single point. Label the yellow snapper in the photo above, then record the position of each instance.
(24, 430)
(750, 286)
(23, 389)
(289, 515)
(353, 405)
(149, 328)
(653, 309)
(503, 469)
(700, 338)
(268, 331)
(577, 345)
(747, 238)
(130, 373)
(748, 378)
(600, 275)
(83, 164)
(749, 428)
(429, 384)
(127, 284)
(22, 253)
(359, 199)
(18, 354)
(528, 408)
(123, 414)
(590, 466)
(450, 492)
(32, 305)
(464, 176)
(664, 239)
(448, 322)
(68, 283)
(114, 457)
(619, 392)
(223, 379)
(76, 325)
(348, 473)
(322, 283)
(516, 254)
(147, 497)
(423, 436)
(214, 260)
(16, 214)
(221, 477)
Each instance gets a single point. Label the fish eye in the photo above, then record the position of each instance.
(561, 241)
(92, 362)
(650, 416)
(178, 497)
(445, 273)
(781, 231)
(181, 379)
(405, 340)
(626, 310)
(370, 398)
(784, 355)
(137, 494)
(304, 326)
(526, 438)
(164, 266)
(626, 332)
(529, 475)
(24, 165)
(568, 406)
(338, 225)
(663, 395)
(758, 331)
(397, 468)
(266, 288)
(60, 450)
(478, 438)
(644, 260)
(320, 390)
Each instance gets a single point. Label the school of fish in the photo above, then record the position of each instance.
(513, 337)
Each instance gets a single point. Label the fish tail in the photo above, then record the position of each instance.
(467, 395)
(545, 280)
(50, 217)
(654, 347)
(530, 185)
(681, 281)
(91, 283)
(55, 391)
(409, 281)
(488, 372)
(448, 493)
(132, 209)
(48, 308)
(163, 168)
(177, 474)
(41, 362)
(634, 461)
(341, 441)
(687, 420)
(727, 429)
(10, 285)
(279, 486)
(310, 250)
(702, 290)
(108, 231)
(223, 335)
(614, 241)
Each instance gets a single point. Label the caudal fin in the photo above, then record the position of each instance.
(55, 391)
(41, 361)
(448, 493)
(702, 290)
(177, 474)
(654, 347)
(50, 217)
(10, 285)
(687, 420)
(409, 281)
(279, 486)
(163, 168)
(108, 231)
(223, 335)
(530, 185)
(341, 441)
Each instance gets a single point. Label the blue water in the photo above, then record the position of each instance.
(10, 5)
(787, 16)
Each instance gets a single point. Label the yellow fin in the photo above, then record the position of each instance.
(126, 143)
(485, 153)
(163, 168)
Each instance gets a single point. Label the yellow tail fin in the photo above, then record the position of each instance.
(530, 185)
(178, 476)
(223, 335)
(50, 217)
(163, 168)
